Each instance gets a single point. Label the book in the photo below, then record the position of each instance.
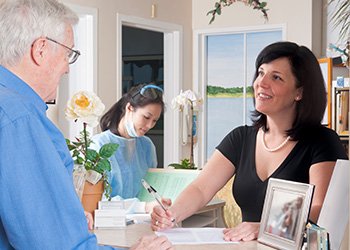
(342, 123)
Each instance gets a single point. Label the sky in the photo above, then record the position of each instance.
(226, 65)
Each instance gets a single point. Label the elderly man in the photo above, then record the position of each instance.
(38, 205)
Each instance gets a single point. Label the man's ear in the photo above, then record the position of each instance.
(39, 51)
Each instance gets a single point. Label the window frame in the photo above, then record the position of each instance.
(200, 74)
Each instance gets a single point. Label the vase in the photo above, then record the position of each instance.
(92, 194)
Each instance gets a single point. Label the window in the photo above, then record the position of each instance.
(227, 81)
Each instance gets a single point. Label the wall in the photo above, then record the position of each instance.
(302, 18)
(177, 12)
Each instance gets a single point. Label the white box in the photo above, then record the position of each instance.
(110, 218)
(102, 205)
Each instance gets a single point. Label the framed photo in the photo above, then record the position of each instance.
(285, 213)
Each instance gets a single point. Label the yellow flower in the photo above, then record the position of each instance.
(86, 107)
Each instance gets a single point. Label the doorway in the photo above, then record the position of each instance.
(142, 55)
(172, 77)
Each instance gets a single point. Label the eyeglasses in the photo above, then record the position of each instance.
(72, 55)
(150, 91)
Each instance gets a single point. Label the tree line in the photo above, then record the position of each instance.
(234, 91)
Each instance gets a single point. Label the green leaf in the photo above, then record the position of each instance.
(77, 144)
(108, 150)
(210, 12)
(212, 19)
(79, 160)
(75, 153)
(218, 11)
(89, 165)
(91, 155)
(263, 4)
(176, 165)
(103, 165)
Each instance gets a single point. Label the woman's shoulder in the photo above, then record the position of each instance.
(145, 140)
(105, 137)
(325, 143)
(100, 135)
(244, 130)
(240, 134)
(321, 133)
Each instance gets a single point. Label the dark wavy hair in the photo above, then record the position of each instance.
(308, 75)
(110, 120)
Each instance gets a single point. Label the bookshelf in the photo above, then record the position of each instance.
(341, 109)
(340, 106)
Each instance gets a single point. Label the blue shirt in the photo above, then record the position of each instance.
(39, 208)
(130, 162)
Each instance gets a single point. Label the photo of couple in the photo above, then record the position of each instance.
(285, 219)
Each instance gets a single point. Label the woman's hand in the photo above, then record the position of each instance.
(246, 231)
(89, 220)
(161, 219)
(151, 242)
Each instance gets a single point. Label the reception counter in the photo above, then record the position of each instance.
(126, 237)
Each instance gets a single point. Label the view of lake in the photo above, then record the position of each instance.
(223, 115)
(231, 67)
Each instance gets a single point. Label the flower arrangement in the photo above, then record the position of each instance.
(86, 107)
(257, 5)
(188, 104)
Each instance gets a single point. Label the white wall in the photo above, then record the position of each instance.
(301, 17)
(177, 12)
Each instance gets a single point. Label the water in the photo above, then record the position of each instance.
(223, 115)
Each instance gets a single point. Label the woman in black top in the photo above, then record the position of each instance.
(286, 141)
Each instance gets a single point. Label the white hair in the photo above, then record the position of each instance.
(24, 21)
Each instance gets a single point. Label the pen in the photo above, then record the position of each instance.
(155, 195)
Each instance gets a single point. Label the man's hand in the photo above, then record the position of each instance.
(89, 220)
(151, 242)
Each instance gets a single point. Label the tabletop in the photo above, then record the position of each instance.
(125, 237)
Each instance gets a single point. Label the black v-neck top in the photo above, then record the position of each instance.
(322, 144)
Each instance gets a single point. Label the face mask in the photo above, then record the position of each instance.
(130, 128)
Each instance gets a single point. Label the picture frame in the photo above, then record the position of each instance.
(326, 65)
(285, 213)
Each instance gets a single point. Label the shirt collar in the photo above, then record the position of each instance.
(14, 83)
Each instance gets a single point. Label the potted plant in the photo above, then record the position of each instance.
(341, 18)
(90, 165)
(188, 104)
(184, 164)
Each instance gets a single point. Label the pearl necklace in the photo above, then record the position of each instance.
(276, 148)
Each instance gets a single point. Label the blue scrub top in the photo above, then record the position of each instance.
(130, 162)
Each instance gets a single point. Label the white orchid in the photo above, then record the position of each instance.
(85, 107)
(185, 98)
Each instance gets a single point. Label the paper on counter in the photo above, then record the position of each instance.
(204, 235)
(139, 218)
